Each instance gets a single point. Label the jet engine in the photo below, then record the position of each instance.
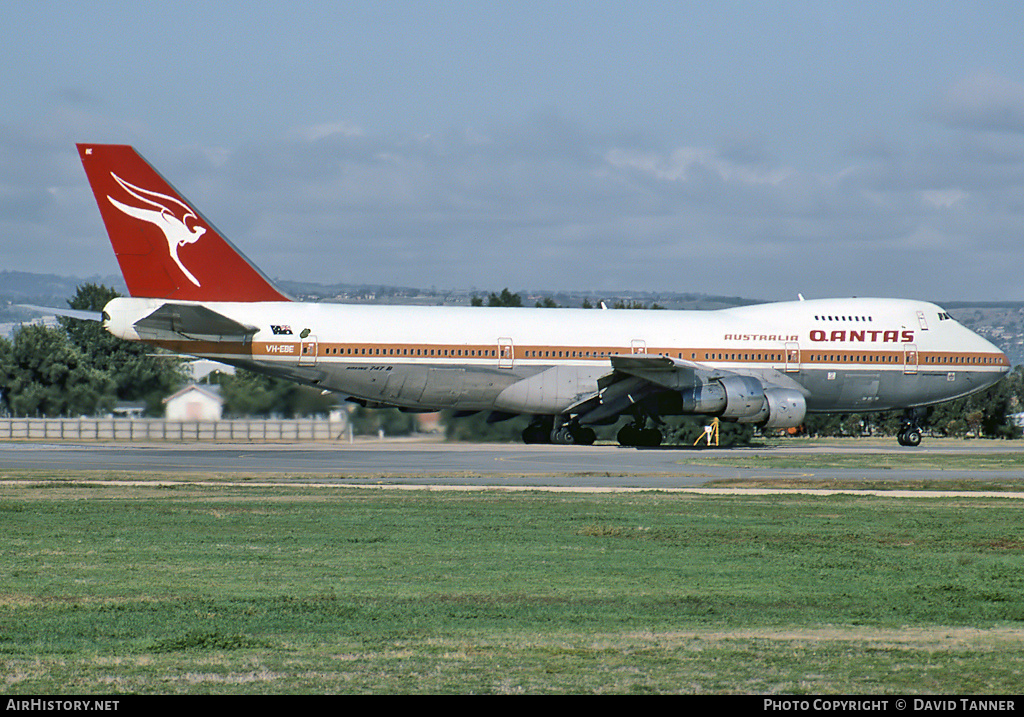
(731, 397)
(739, 398)
(783, 408)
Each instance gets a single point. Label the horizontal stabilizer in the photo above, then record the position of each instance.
(70, 313)
(192, 321)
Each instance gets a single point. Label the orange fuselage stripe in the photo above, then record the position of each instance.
(807, 357)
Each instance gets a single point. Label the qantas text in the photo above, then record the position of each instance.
(905, 336)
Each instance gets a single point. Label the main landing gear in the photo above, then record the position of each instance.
(544, 430)
(539, 431)
(635, 434)
(910, 430)
(558, 429)
(575, 433)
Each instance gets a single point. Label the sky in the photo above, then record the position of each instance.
(756, 149)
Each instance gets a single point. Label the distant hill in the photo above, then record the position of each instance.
(23, 285)
(380, 294)
(53, 290)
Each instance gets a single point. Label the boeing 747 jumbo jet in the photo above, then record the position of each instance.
(193, 292)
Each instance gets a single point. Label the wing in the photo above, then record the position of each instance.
(660, 384)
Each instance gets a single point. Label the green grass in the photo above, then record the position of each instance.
(853, 460)
(219, 588)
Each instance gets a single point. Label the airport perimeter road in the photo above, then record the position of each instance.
(505, 464)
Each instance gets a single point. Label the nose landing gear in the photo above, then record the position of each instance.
(909, 437)
(910, 430)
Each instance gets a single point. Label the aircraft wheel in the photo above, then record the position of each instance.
(628, 435)
(563, 436)
(912, 438)
(536, 434)
(584, 436)
(650, 437)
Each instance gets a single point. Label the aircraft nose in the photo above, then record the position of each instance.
(1003, 360)
(997, 356)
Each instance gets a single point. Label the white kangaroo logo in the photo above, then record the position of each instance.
(175, 230)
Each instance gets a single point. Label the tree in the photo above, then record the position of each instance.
(505, 298)
(370, 421)
(986, 413)
(42, 373)
(620, 304)
(475, 428)
(139, 372)
(247, 393)
(852, 425)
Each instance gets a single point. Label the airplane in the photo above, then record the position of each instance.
(193, 292)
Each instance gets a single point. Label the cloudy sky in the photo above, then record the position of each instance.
(742, 148)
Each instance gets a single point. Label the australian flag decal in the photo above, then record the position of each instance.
(280, 330)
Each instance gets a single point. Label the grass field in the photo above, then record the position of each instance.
(221, 588)
(938, 462)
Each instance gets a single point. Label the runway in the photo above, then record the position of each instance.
(422, 463)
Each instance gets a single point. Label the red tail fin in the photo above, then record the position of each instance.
(166, 248)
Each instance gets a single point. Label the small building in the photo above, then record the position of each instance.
(1016, 419)
(194, 403)
(129, 409)
(199, 369)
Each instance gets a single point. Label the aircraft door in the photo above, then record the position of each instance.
(792, 357)
(307, 351)
(638, 346)
(506, 353)
(909, 358)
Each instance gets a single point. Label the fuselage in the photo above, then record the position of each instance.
(843, 355)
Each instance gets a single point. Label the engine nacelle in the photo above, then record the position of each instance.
(783, 408)
(745, 398)
(731, 397)
(742, 399)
